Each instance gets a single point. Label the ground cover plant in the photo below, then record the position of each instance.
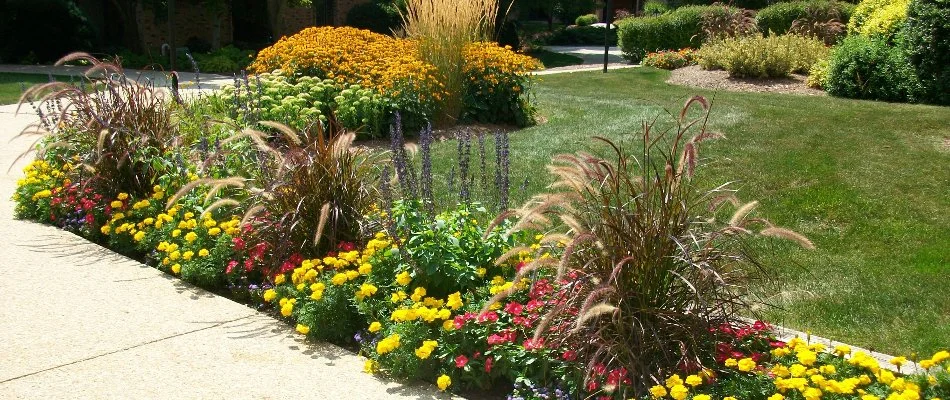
(466, 296)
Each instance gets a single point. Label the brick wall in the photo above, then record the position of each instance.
(191, 20)
(294, 19)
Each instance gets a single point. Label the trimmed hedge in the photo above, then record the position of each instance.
(675, 30)
(579, 36)
(869, 68)
(927, 42)
(778, 18)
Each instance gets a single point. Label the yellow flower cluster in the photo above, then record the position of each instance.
(426, 309)
(424, 351)
(184, 244)
(42, 172)
(494, 62)
(388, 344)
(351, 56)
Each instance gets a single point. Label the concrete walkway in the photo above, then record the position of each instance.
(593, 57)
(186, 79)
(80, 322)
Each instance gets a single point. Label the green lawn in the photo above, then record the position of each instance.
(11, 85)
(868, 182)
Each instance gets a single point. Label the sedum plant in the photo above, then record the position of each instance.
(649, 270)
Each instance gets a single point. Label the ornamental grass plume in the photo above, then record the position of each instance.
(442, 29)
(119, 129)
(652, 269)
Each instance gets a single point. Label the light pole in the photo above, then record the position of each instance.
(606, 34)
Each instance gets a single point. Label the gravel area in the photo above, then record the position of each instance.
(697, 77)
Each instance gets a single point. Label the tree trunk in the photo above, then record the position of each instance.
(216, 31)
(131, 38)
(273, 18)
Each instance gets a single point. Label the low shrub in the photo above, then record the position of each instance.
(496, 85)
(671, 59)
(778, 18)
(818, 74)
(870, 68)
(586, 20)
(878, 17)
(927, 42)
(760, 56)
(674, 30)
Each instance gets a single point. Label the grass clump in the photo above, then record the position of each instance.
(760, 56)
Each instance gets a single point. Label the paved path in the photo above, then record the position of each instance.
(80, 322)
(593, 57)
(159, 78)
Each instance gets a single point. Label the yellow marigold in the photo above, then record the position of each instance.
(443, 382)
(658, 391)
(746, 365)
(176, 269)
(673, 381)
(191, 237)
(403, 278)
(375, 327)
(303, 329)
(679, 392)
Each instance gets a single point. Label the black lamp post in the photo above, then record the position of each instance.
(606, 34)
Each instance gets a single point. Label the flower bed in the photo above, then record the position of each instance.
(464, 297)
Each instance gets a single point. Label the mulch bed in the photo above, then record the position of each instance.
(697, 77)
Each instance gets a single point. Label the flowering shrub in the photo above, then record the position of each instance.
(878, 17)
(393, 77)
(496, 82)
(671, 59)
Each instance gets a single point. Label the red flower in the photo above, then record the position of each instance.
(461, 361)
(248, 265)
(760, 326)
(230, 267)
(616, 376)
(346, 246)
(90, 219)
(776, 344)
(490, 316)
(569, 355)
(533, 305)
(600, 369)
(458, 322)
(532, 344)
(488, 363)
(592, 386)
(514, 308)
(238, 243)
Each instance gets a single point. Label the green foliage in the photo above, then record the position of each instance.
(759, 56)
(333, 318)
(878, 17)
(586, 20)
(870, 68)
(779, 17)
(655, 7)
(380, 16)
(927, 42)
(444, 254)
(301, 101)
(674, 30)
(41, 31)
(818, 74)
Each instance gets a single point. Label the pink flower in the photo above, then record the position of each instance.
(569, 355)
(230, 267)
(533, 305)
(248, 265)
(514, 308)
(458, 322)
(488, 363)
(461, 361)
(238, 243)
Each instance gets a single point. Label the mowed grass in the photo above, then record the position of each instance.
(868, 182)
(11, 85)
